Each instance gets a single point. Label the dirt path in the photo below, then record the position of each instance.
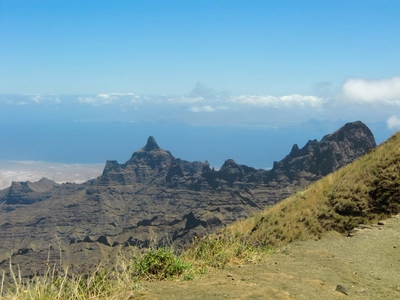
(366, 264)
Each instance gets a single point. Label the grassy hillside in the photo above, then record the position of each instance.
(361, 193)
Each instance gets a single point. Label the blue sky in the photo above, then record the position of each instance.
(165, 47)
(198, 63)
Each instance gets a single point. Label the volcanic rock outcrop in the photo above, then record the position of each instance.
(28, 192)
(155, 197)
(318, 159)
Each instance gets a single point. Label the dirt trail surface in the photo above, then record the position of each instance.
(365, 266)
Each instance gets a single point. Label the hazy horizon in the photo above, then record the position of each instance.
(86, 81)
(84, 156)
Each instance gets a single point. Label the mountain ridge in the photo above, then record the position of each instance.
(155, 197)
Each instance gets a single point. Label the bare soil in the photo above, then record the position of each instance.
(366, 264)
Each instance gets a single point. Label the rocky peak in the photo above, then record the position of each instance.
(343, 146)
(110, 165)
(151, 144)
(294, 150)
(151, 154)
(356, 133)
(320, 158)
(231, 171)
(28, 192)
(228, 164)
(143, 165)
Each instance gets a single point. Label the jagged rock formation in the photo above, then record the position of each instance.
(317, 159)
(28, 192)
(155, 196)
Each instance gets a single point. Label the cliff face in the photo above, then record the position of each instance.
(156, 197)
(318, 159)
(28, 192)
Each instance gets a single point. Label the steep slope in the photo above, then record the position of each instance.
(363, 192)
(155, 197)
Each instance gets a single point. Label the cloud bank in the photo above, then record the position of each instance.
(393, 122)
(206, 108)
(34, 171)
(203, 105)
(369, 91)
(278, 102)
(105, 99)
(31, 99)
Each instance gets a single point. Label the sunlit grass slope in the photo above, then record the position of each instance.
(361, 193)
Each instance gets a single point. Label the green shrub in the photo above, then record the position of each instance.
(159, 264)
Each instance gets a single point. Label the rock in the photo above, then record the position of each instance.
(151, 144)
(342, 289)
(381, 223)
(362, 226)
(231, 171)
(317, 159)
(28, 192)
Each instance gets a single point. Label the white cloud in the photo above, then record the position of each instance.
(393, 122)
(103, 96)
(104, 99)
(121, 94)
(278, 102)
(44, 98)
(206, 108)
(382, 90)
(88, 100)
(25, 99)
(37, 98)
(183, 100)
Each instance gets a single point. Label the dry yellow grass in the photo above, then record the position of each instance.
(101, 283)
(360, 193)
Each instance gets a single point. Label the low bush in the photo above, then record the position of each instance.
(159, 264)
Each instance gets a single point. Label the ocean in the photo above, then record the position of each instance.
(95, 142)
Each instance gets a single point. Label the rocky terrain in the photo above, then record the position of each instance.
(155, 197)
